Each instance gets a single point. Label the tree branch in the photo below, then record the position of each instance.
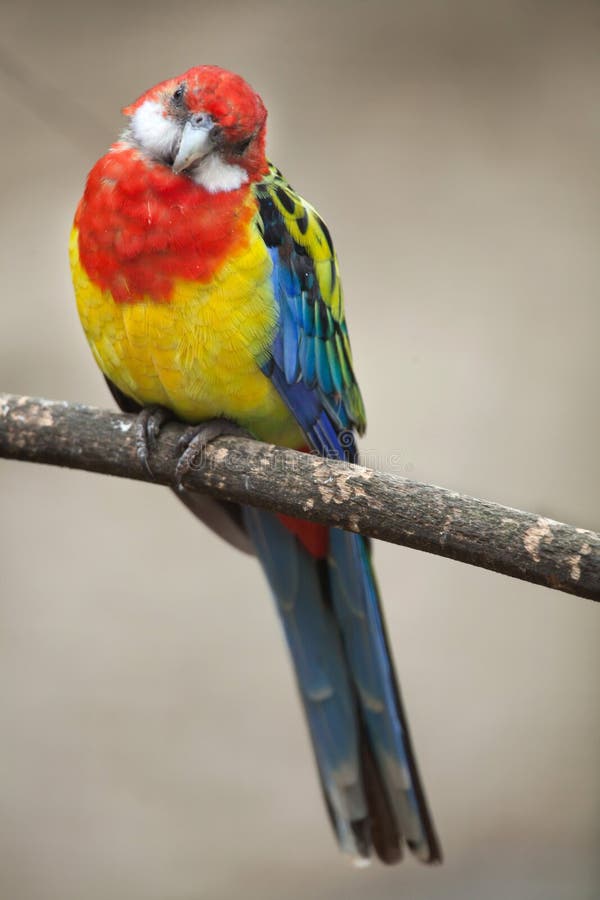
(380, 505)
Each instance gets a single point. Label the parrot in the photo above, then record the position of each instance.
(209, 292)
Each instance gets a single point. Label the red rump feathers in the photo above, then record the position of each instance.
(312, 536)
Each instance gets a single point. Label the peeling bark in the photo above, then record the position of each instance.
(376, 504)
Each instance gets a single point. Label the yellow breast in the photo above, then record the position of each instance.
(200, 353)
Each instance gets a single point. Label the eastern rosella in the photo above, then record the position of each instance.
(208, 287)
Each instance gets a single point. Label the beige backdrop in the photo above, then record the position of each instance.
(152, 743)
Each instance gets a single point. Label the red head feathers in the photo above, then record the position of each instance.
(172, 198)
(238, 113)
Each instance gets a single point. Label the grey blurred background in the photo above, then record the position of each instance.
(152, 742)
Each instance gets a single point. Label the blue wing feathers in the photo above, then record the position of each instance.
(307, 360)
(291, 339)
(323, 368)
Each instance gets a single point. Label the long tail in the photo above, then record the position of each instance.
(328, 601)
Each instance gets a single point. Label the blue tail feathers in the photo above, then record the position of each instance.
(355, 599)
(336, 635)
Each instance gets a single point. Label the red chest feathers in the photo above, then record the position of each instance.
(141, 227)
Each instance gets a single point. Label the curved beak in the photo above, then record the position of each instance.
(195, 144)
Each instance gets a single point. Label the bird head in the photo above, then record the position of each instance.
(208, 125)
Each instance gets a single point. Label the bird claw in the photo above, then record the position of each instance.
(192, 443)
(147, 429)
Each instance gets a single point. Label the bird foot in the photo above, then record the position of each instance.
(194, 440)
(148, 426)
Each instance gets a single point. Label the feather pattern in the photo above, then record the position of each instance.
(330, 607)
(325, 688)
(311, 346)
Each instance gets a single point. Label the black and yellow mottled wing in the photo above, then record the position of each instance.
(311, 360)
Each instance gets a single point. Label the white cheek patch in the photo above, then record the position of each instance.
(157, 135)
(215, 175)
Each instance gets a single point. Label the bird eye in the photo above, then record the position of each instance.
(178, 95)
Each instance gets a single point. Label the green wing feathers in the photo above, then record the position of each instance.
(313, 345)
